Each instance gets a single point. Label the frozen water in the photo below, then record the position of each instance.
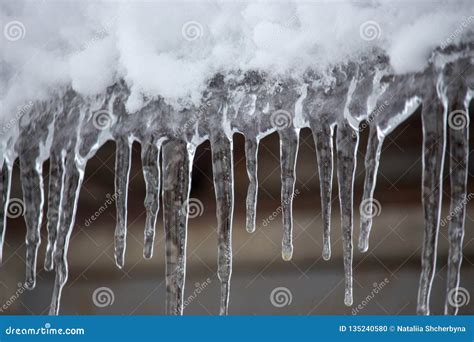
(171, 97)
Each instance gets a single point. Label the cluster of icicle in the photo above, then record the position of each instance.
(69, 129)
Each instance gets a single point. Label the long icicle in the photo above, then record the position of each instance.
(372, 159)
(177, 166)
(123, 156)
(434, 142)
(223, 171)
(251, 154)
(5, 184)
(459, 153)
(323, 141)
(289, 141)
(73, 176)
(346, 145)
(33, 198)
(151, 172)
(56, 182)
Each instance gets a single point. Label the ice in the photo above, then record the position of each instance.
(251, 154)
(434, 144)
(177, 166)
(123, 157)
(151, 172)
(69, 127)
(458, 123)
(289, 141)
(346, 145)
(5, 183)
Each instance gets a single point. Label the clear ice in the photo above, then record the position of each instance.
(69, 128)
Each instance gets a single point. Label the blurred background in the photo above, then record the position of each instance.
(311, 285)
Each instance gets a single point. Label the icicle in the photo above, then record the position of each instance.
(56, 181)
(223, 171)
(251, 153)
(434, 142)
(346, 145)
(289, 141)
(459, 153)
(33, 197)
(151, 172)
(323, 140)
(5, 183)
(372, 158)
(177, 167)
(122, 173)
(73, 176)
